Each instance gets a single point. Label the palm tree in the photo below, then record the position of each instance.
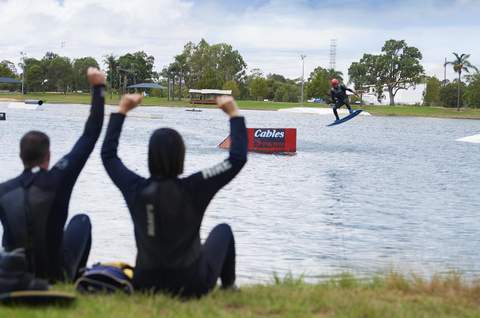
(331, 73)
(112, 72)
(460, 64)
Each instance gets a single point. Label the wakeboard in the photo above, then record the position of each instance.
(354, 114)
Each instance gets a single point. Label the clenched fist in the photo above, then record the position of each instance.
(95, 76)
(228, 105)
(129, 102)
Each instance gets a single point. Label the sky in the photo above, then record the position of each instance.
(270, 34)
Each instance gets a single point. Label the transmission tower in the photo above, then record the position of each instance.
(333, 53)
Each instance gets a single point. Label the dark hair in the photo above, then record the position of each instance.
(34, 148)
(166, 153)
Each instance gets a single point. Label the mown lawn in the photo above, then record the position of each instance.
(440, 112)
(387, 296)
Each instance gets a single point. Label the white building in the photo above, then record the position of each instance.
(410, 96)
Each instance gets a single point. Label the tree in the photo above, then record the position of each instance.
(432, 92)
(80, 67)
(286, 93)
(112, 71)
(233, 86)
(318, 84)
(272, 86)
(34, 74)
(258, 87)
(472, 93)
(35, 78)
(449, 94)
(461, 64)
(136, 67)
(357, 73)
(331, 73)
(182, 69)
(7, 69)
(397, 67)
(207, 66)
(59, 72)
(277, 78)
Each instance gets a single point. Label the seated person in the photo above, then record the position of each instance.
(167, 211)
(34, 205)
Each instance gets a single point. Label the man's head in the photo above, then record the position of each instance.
(335, 82)
(166, 153)
(35, 150)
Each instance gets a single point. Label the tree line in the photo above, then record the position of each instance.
(220, 66)
(457, 93)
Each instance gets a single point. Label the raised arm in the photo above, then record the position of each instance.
(70, 166)
(209, 181)
(125, 179)
(349, 89)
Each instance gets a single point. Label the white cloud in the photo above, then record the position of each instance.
(270, 36)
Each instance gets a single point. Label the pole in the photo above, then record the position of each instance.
(445, 72)
(302, 56)
(23, 54)
(169, 87)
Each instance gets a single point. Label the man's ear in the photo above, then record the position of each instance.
(46, 163)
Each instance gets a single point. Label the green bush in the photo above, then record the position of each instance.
(448, 94)
(472, 93)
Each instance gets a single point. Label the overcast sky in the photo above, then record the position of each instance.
(270, 34)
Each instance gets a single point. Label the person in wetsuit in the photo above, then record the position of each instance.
(167, 211)
(339, 97)
(34, 205)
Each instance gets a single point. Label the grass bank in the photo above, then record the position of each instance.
(388, 296)
(439, 112)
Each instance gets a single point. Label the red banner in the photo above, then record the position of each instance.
(269, 140)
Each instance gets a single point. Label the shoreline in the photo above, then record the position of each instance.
(379, 111)
(389, 295)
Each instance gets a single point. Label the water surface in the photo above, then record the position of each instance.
(375, 194)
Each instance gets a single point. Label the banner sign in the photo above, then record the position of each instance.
(269, 140)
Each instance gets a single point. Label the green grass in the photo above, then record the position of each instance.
(390, 296)
(440, 112)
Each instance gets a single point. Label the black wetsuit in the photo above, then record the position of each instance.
(167, 214)
(34, 208)
(339, 98)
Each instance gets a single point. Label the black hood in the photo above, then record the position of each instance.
(166, 153)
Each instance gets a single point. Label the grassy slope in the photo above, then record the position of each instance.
(390, 296)
(260, 105)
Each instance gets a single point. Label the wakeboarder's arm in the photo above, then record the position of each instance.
(350, 90)
(332, 96)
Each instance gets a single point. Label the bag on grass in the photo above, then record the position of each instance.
(18, 286)
(106, 278)
(14, 275)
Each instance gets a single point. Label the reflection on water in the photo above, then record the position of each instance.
(367, 196)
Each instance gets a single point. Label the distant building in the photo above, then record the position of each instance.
(206, 96)
(411, 96)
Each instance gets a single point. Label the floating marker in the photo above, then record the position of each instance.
(34, 102)
(3, 116)
(269, 140)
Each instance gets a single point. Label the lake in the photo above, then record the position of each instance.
(372, 195)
